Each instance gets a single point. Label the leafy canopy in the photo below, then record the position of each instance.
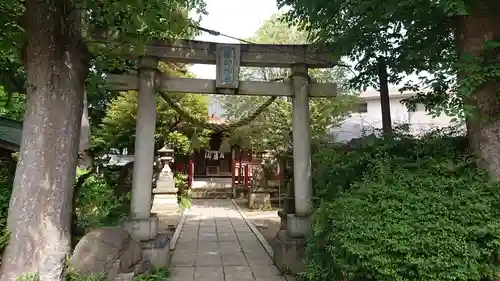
(118, 126)
(124, 23)
(411, 37)
(272, 129)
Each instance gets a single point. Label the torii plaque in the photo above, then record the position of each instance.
(228, 66)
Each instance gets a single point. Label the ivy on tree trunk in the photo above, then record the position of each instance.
(39, 217)
(483, 125)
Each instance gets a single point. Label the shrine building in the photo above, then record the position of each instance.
(214, 166)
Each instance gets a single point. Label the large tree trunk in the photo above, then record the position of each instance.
(484, 128)
(40, 207)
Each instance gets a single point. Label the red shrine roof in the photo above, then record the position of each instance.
(216, 119)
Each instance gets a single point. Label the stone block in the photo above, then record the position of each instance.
(143, 229)
(131, 255)
(125, 277)
(283, 219)
(259, 200)
(114, 270)
(106, 252)
(97, 252)
(144, 267)
(157, 250)
(298, 226)
(289, 252)
(165, 199)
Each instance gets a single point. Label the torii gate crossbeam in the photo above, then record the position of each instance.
(228, 58)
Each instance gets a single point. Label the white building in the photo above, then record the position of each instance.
(369, 117)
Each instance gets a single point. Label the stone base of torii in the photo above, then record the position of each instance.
(289, 245)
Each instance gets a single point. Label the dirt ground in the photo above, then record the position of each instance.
(267, 222)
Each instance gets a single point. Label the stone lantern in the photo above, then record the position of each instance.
(165, 192)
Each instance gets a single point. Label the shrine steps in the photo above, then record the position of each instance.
(212, 188)
(212, 193)
(212, 183)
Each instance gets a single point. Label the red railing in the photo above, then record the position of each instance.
(240, 175)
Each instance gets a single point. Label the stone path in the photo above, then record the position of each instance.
(216, 244)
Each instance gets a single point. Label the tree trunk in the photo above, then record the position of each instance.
(483, 128)
(385, 101)
(40, 207)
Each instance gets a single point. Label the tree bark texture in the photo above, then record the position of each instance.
(385, 101)
(484, 128)
(40, 207)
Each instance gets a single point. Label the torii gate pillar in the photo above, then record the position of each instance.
(298, 224)
(144, 225)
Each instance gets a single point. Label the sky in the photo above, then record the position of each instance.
(240, 19)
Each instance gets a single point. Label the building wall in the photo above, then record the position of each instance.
(360, 124)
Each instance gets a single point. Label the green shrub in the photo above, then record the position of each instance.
(401, 210)
(97, 205)
(336, 168)
(6, 180)
(183, 195)
(160, 274)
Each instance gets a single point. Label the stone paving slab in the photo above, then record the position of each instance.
(216, 244)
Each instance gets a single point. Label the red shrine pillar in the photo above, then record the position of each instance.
(247, 181)
(240, 171)
(190, 173)
(233, 174)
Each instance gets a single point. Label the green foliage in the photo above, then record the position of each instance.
(271, 130)
(75, 276)
(426, 39)
(12, 104)
(161, 274)
(183, 196)
(71, 275)
(338, 167)
(126, 24)
(158, 274)
(96, 204)
(118, 126)
(448, 96)
(181, 181)
(6, 180)
(403, 209)
(408, 36)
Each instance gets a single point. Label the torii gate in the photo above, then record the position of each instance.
(228, 58)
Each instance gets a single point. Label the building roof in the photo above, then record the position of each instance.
(10, 133)
(372, 94)
(214, 119)
(118, 160)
